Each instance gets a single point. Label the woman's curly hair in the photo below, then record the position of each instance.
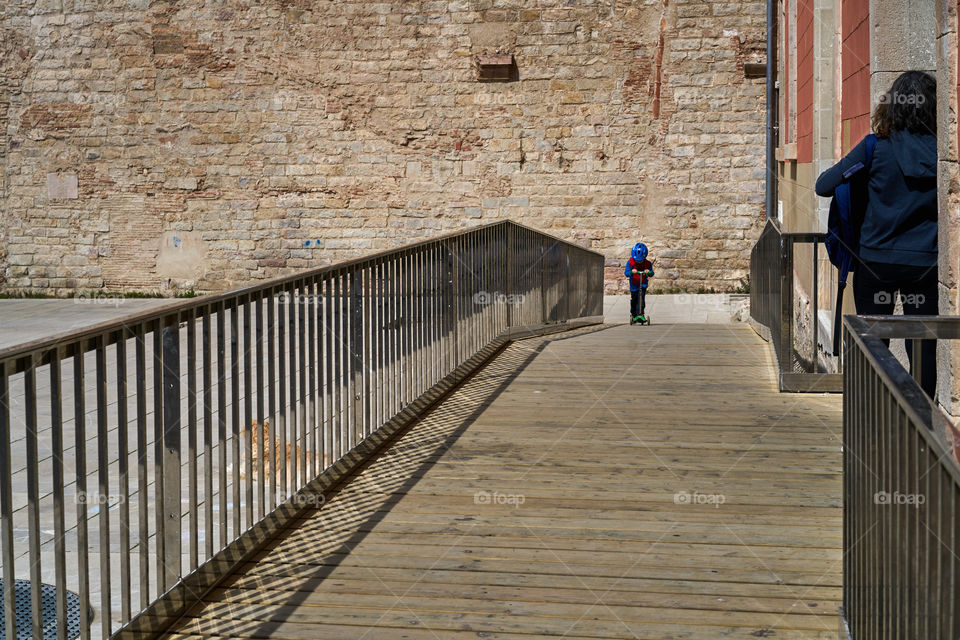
(910, 104)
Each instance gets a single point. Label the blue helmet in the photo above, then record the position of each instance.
(639, 251)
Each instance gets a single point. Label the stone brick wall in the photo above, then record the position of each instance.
(160, 144)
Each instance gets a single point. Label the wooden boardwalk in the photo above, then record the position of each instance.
(630, 482)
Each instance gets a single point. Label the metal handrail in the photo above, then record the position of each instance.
(901, 488)
(772, 297)
(205, 418)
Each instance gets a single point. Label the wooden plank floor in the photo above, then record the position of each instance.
(630, 482)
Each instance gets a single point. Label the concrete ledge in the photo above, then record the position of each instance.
(679, 308)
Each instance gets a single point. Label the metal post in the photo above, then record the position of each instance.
(816, 306)
(171, 451)
(539, 266)
(786, 304)
(916, 360)
(772, 100)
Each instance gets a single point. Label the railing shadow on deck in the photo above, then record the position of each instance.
(901, 488)
(395, 472)
(281, 391)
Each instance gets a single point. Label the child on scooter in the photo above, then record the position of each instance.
(639, 270)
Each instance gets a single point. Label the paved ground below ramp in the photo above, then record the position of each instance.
(629, 482)
(28, 319)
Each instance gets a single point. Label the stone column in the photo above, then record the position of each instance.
(825, 95)
(902, 37)
(948, 193)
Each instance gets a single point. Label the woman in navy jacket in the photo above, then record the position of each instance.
(898, 238)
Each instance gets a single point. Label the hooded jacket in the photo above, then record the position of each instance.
(900, 222)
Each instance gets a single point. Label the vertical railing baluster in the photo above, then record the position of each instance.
(260, 426)
(433, 278)
(323, 362)
(207, 345)
(159, 512)
(143, 502)
(294, 409)
(328, 357)
(247, 426)
(123, 468)
(33, 495)
(346, 402)
(416, 297)
(439, 315)
(280, 454)
(405, 329)
(355, 370)
(446, 306)
(302, 367)
(382, 415)
(366, 297)
(171, 461)
(222, 489)
(312, 377)
(236, 406)
(421, 322)
(56, 452)
(103, 491)
(392, 331)
(270, 455)
(193, 477)
(80, 449)
(6, 505)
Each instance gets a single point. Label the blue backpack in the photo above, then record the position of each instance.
(847, 209)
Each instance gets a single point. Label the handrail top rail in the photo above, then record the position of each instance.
(924, 327)
(899, 382)
(797, 236)
(178, 307)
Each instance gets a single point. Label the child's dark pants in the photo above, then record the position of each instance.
(638, 302)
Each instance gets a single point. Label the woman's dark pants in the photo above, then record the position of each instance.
(875, 289)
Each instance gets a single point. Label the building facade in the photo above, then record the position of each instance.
(168, 145)
(836, 57)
